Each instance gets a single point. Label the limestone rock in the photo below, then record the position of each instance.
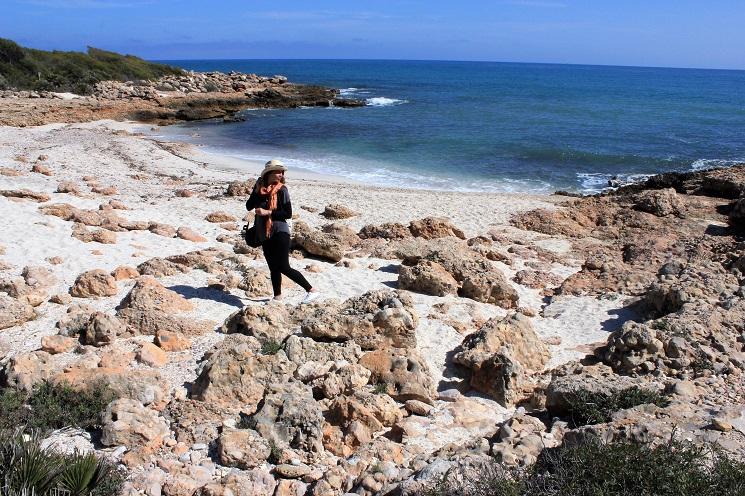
(165, 230)
(434, 227)
(404, 373)
(26, 194)
(159, 267)
(218, 217)
(266, 322)
(235, 373)
(172, 341)
(57, 344)
(337, 211)
(127, 422)
(94, 283)
(500, 354)
(661, 202)
(427, 277)
(255, 282)
(124, 272)
(151, 355)
(325, 245)
(390, 230)
(14, 312)
(25, 370)
(75, 321)
(362, 415)
(240, 188)
(190, 235)
(374, 320)
(242, 448)
(102, 329)
(289, 416)
(149, 294)
(144, 386)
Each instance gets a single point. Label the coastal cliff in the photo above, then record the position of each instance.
(170, 99)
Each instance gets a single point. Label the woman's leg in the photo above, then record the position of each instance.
(283, 260)
(273, 258)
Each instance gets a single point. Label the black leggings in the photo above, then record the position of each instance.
(277, 255)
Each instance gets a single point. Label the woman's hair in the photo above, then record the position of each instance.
(264, 179)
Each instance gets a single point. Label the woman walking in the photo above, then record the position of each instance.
(270, 200)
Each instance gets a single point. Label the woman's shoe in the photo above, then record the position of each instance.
(310, 296)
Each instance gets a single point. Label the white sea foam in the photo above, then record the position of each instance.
(381, 101)
(702, 163)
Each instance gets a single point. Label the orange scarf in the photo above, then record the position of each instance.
(270, 191)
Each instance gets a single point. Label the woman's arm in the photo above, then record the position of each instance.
(253, 200)
(284, 207)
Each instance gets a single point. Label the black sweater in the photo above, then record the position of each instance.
(279, 214)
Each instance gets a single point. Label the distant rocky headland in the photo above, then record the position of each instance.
(38, 87)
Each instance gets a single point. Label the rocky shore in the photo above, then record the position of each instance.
(170, 99)
(439, 345)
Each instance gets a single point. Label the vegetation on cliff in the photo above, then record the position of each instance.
(30, 69)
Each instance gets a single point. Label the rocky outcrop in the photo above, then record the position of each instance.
(94, 283)
(242, 448)
(403, 373)
(377, 319)
(427, 277)
(126, 422)
(434, 227)
(267, 323)
(500, 356)
(14, 312)
(324, 245)
(337, 211)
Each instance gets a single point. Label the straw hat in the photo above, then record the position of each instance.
(273, 165)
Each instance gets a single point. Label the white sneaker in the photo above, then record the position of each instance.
(310, 297)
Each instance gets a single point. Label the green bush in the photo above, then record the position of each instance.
(30, 69)
(615, 469)
(25, 467)
(53, 406)
(587, 408)
(270, 348)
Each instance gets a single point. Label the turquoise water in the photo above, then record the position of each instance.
(481, 126)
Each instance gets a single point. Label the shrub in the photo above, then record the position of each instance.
(53, 406)
(614, 469)
(587, 408)
(270, 348)
(27, 468)
(26, 68)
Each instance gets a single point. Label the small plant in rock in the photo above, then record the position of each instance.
(588, 408)
(270, 348)
(275, 453)
(380, 388)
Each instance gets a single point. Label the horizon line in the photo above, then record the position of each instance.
(454, 60)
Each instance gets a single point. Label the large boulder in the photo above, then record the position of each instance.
(127, 422)
(159, 267)
(235, 373)
(255, 282)
(360, 416)
(390, 230)
(144, 386)
(499, 356)
(242, 448)
(102, 329)
(25, 370)
(428, 278)
(265, 322)
(338, 211)
(289, 417)
(94, 283)
(325, 245)
(149, 294)
(240, 188)
(403, 372)
(14, 312)
(376, 319)
(434, 227)
(662, 202)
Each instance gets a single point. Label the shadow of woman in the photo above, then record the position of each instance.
(207, 293)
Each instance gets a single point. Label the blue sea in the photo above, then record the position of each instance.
(483, 126)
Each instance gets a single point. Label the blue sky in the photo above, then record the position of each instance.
(672, 33)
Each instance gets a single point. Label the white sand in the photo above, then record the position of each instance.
(110, 152)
